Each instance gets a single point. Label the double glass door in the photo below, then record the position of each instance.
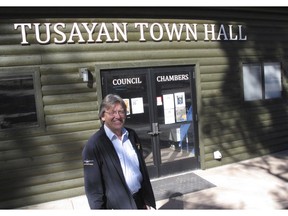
(161, 109)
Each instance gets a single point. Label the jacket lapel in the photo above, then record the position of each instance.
(112, 154)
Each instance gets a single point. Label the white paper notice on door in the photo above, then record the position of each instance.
(126, 101)
(180, 99)
(169, 109)
(137, 105)
(180, 105)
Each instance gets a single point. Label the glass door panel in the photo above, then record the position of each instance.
(132, 86)
(175, 115)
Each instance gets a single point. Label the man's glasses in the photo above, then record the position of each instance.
(114, 113)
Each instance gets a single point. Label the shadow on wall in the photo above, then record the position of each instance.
(245, 129)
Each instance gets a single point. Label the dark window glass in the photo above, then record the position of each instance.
(18, 106)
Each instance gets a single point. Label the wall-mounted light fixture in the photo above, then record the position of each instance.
(87, 76)
(84, 74)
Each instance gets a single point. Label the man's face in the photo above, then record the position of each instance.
(114, 118)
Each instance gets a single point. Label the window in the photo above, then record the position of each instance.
(262, 81)
(21, 102)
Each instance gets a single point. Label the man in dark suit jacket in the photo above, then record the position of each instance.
(115, 172)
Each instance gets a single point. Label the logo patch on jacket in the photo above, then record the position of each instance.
(138, 146)
(88, 162)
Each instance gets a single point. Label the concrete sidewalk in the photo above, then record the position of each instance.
(257, 184)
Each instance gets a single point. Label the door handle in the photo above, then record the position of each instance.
(154, 133)
(155, 129)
